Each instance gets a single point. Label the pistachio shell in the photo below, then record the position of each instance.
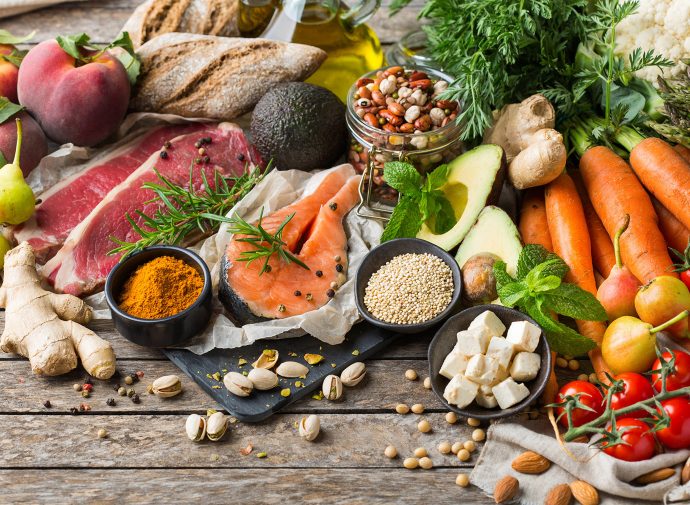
(267, 360)
(353, 374)
(292, 369)
(332, 387)
(167, 386)
(216, 425)
(309, 427)
(238, 384)
(263, 379)
(195, 427)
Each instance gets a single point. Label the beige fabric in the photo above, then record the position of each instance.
(13, 7)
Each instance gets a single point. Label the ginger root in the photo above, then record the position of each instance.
(535, 152)
(45, 327)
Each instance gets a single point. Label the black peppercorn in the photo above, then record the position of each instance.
(135, 398)
(330, 293)
(74, 411)
(207, 140)
(87, 380)
(319, 273)
(134, 376)
(240, 157)
(47, 404)
(206, 159)
(117, 386)
(164, 155)
(110, 402)
(167, 144)
(268, 268)
(198, 144)
(298, 292)
(338, 268)
(197, 161)
(333, 206)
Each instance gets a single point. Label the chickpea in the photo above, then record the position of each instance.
(418, 408)
(391, 452)
(411, 463)
(478, 435)
(420, 452)
(426, 463)
(411, 375)
(427, 383)
(463, 455)
(451, 418)
(455, 448)
(401, 408)
(462, 480)
(424, 426)
(444, 447)
(470, 446)
(473, 422)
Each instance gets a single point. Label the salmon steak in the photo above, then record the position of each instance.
(315, 235)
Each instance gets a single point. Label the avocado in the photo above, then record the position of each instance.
(299, 126)
(475, 179)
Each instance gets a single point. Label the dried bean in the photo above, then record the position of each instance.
(364, 92)
(371, 120)
(378, 97)
(364, 81)
(416, 76)
(396, 108)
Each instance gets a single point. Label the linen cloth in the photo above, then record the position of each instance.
(13, 7)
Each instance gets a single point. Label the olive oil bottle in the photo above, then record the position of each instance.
(353, 48)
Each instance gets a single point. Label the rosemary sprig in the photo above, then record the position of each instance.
(264, 244)
(186, 211)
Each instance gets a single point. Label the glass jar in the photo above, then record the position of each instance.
(371, 147)
(411, 50)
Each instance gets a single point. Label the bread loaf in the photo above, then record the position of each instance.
(216, 77)
(206, 17)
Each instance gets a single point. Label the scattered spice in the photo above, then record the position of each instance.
(102, 433)
(333, 206)
(85, 393)
(122, 391)
(47, 404)
(76, 387)
(339, 267)
(139, 374)
(129, 380)
(246, 451)
(130, 393)
(261, 455)
(161, 288)
(87, 387)
(309, 297)
(285, 392)
(74, 411)
(164, 155)
(167, 144)
(281, 308)
(337, 259)
(330, 293)
(110, 402)
(298, 292)
(135, 398)
(319, 273)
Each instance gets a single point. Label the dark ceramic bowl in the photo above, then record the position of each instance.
(385, 252)
(446, 338)
(170, 331)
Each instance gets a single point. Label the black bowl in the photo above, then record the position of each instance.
(169, 331)
(385, 252)
(446, 338)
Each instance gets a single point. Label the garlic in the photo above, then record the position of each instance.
(167, 386)
(353, 374)
(263, 379)
(195, 427)
(238, 384)
(267, 360)
(332, 387)
(216, 426)
(309, 427)
(292, 369)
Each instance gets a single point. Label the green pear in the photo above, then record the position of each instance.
(17, 202)
(4, 247)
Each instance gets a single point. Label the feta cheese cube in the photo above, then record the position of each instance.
(460, 391)
(500, 349)
(525, 366)
(491, 321)
(473, 341)
(454, 364)
(509, 392)
(485, 389)
(486, 400)
(524, 336)
(481, 369)
(501, 375)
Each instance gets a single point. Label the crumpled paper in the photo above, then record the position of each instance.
(13, 7)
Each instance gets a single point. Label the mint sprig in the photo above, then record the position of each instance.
(539, 290)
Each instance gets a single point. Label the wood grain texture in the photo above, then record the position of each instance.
(264, 486)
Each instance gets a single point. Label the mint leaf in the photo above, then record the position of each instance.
(571, 301)
(501, 275)
(445, 219)
(437, 178)
(540, 272)
(7, 38)
(8, 109)
(402, 177)
(546, 284)
(530, 256)
(562, 339)
(71, 44)
(128, 57)
(404, 221)
(556, 266)
(428, 206)
(513, 293)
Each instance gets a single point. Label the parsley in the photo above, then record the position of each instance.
(420, 201)
(539, 290)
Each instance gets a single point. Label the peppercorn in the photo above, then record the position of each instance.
(139, 374)
(207, 140)
(87, 387)
(206, 159)
(240, 157)
(333, 206)
(330, 293)
(116, 387)
(197, 161)
(76, 387)
(164, 155)
(202, 151)
(47, 404)
(74, 411)
(110, 402)
(122, 391)
(298, 292)
(167, 144)
(268, 268)
(336, 259)
(309, 297)
(319, 273)
(88, 380)
(130, 392)
(129, 380)
(82, 408)
(339, 268)
(135, 398)
(85, 393)
(281, 308)
(198, 144)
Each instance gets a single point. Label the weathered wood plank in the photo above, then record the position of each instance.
(266, 486)
(143, 441)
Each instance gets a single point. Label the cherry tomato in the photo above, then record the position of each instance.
(679, 378)
(639, 441)
(589, 396)
(677, 435)
(636, 388)
(685, 277)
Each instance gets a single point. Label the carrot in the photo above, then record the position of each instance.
(615, 191)
(603, 255)
(675, 233)
(683, 151)
(665, 174)
(533, 226)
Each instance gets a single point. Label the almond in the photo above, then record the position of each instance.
(685, 473)
(584, 493)
(559, 495)
(530, 462)
(506, 489)
(655, 476)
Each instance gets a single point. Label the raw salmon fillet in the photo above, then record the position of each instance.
(315, 235)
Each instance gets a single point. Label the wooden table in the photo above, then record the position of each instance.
(50, 455)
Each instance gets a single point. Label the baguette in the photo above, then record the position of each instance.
(205, 17)
(216, 77)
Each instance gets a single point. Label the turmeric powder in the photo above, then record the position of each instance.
(161, 288)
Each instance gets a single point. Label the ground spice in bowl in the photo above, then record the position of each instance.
(161, 288)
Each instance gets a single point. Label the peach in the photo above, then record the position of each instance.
(74, 101)
(8, 74)
(34, 144)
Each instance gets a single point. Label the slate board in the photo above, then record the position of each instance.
(364, 338)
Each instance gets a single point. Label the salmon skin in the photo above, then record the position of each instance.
(315, 235)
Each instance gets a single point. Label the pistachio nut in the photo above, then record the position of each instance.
(292, 369)
(332, 387)
(353, 374)
(195, 427)
(263, 379)
(216, 425)
(167, 386)
(238, 384)
(309, 427)
(267, 360)
(313, 359)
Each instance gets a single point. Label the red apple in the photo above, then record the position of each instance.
(8, 74)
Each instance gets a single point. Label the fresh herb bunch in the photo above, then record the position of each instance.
(421, 201)
(185, 211)
(675, 94)
(539, 290)
(264, 244)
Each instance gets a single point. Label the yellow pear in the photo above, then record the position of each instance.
(17, 202)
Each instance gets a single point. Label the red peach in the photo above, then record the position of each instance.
(34, 144)
(8, 75)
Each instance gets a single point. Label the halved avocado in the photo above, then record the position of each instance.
(495, 233)
(474, 180)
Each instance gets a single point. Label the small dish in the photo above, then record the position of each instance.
(169, 331)
(383, 253)
(446, 338)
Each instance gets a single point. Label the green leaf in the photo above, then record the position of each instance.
(7, 38)
(556, 266)
(405, 220)
(71, 44)
(530, 257)
(503, 278)
(128, 57)
(8, 109)
(562, 339)
(402, 177)
(3, 160)
(546, 284)
(511, 294)
(438, 177)
(542, 271)
(445, 219)
(15, 57)
(572, 301)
